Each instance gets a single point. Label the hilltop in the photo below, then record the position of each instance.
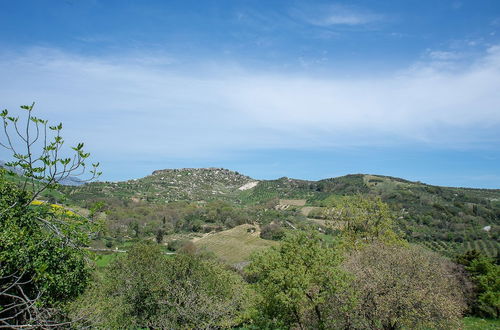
(169, 185)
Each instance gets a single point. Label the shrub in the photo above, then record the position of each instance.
(146, 289)
(272, 232)
(403, 287)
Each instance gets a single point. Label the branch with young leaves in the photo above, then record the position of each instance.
(44, 169)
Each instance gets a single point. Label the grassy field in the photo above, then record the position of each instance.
(234, 245)
(475, 323)
(102, 260)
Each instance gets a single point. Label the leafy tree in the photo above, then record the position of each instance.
(42, 264)
(364, 220)
(146, 289)
(403, 287)
(297, 279)
(486, 276)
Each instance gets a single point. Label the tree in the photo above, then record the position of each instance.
(403, 287)
(147, 289)
(297, 280)
(134, 226)
(485, 274)
(159, 235)
(42, 264)
(363, 219)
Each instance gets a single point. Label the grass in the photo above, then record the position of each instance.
(476, 323)
(234, 245)
(103, 260)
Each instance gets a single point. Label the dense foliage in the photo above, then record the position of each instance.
(298, 281)
(41, 262)
(486, 276)
(146, 289)
(363, 220)
(403, 287)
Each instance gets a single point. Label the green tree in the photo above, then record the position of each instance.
(41, 266)
(42, 263)
(363, 220)
(486, 276)
(297, 281)
(147, 289)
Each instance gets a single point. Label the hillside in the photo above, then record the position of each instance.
(168, 185)
(445, 219)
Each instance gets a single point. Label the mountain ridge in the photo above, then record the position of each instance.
(222, 169)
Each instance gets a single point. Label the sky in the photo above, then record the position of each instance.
(303, 89)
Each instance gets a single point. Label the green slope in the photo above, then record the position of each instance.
(442, 218)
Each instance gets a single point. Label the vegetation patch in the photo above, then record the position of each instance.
(476, 323)
(235, 245)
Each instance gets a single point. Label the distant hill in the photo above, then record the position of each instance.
(192, 184)
(69, 181)
(443, 218)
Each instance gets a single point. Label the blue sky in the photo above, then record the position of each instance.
(306, 89)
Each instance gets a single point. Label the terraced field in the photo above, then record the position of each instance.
(487, 247)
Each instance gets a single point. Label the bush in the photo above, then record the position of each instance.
(403, 287)
(146, 289)
(41, 266)
(272, 232)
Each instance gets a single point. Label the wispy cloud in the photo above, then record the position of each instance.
(142, 108)
(443, 55)
(336, 14)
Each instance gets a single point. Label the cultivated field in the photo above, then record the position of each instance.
(235, 245)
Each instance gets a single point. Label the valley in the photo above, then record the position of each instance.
(209, 200)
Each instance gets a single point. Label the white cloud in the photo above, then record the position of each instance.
(126, 108)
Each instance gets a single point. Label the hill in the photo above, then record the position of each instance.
(445, 219)
(169, 185)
